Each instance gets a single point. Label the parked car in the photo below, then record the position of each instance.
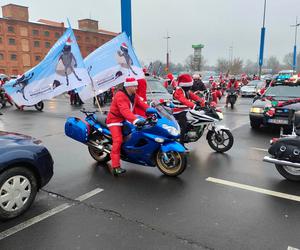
(25, 166)
(156, 90)
(283, 116)
(252, 88)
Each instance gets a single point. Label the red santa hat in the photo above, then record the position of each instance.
(185, 80)
(170, 76)
(130, 82)
(124, 45)
(211, 78)
(69, 41)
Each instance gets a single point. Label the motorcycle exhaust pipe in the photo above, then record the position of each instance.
(281, 162)
(97, 146)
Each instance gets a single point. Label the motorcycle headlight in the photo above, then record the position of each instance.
(256, 110)
(173, 131)
(221, 116)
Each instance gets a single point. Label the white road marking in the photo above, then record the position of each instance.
(260, 149)
(46, 215)
(254, 189)
(238, 126)
(292, 248)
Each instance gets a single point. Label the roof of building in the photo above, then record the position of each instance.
(51, 23)
(11, 4)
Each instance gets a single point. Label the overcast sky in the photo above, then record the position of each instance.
(218, 24)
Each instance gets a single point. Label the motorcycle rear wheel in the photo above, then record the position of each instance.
(174, 165)
(290, 173)
(220, 141)
(98, 155)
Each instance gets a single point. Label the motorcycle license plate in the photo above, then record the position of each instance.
(278, 121)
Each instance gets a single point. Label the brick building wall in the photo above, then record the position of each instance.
(24, 44)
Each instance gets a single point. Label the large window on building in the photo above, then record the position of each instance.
(25, 45)
(47, 44)
(13, 57)
(1, 56)
(36, 44)
(35, 32)
(57, 35)
(46, 33)
(0, 40)
(26, 60)
(11, 29)
(11, 41)
(23, 31)
(37, 58)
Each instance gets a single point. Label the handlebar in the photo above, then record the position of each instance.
(87, 112)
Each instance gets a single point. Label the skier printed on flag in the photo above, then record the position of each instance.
(110, 65)
(61, 70)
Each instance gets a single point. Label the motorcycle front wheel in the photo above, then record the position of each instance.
(171, 163)
(220, 141)
(39, 106)
(290, 173)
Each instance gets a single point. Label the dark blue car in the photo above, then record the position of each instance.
(25, 166)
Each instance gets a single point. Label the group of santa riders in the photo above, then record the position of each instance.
(130, 103)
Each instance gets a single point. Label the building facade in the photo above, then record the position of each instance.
(24, 44)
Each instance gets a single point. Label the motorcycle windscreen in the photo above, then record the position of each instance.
(168, 115)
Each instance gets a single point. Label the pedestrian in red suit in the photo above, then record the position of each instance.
(121, 109)
(141, 92)
(185, 99)
(170, 84)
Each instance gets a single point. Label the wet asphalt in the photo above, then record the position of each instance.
(144, 209)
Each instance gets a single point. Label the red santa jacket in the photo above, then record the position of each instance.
(122, 108)
(234, 85)
(182, 102)
(142, 88)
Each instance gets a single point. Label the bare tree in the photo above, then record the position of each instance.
(236, 66)
(223, 65)
(250, 67)
(274, 64)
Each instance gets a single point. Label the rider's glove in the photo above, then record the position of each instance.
(140, 122)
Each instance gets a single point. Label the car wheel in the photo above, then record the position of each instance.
(18, 188)
(255, 124)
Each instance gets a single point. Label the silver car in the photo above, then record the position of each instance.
(252, 88)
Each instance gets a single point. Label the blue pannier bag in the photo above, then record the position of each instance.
(77, 129)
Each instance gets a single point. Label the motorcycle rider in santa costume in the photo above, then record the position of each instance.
(121, 109)
(183, 100)
(231, 84)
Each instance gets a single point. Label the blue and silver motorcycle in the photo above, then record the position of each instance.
(153, 144)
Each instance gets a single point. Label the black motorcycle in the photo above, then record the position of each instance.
(285, 152)
(232, 96)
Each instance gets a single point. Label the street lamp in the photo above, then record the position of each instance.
(295, 45)
(167, 38)
(262, 41)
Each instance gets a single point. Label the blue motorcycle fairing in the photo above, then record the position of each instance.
(172, 146)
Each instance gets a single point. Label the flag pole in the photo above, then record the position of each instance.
(92, 82)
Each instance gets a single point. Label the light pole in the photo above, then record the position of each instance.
(295, 45)
(262, 41)
(126, 18)
(167, 38)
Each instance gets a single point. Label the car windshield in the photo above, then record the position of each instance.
(283, 92)
(155, 86)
